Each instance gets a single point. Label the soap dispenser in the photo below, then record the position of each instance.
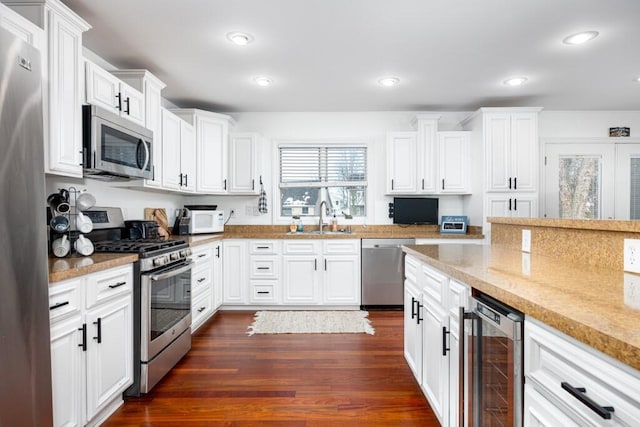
(334, 223)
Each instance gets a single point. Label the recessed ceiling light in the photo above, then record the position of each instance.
(637, 80)
(241, 39)
(388, 81)
(580, 38)
(263, 81)
(515, 81)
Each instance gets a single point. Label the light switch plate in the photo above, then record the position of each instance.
(632, 255)
(526, 240)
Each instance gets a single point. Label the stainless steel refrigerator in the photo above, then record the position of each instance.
(25, 355)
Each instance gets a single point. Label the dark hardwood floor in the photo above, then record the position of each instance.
(231, 379)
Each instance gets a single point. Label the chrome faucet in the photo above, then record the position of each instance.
(326, 211)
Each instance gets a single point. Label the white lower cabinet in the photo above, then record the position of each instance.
(217, 274)
(235, 284)
(203, 283)
(91, 345)
(567, 380)
(265, 260)
(431, 345)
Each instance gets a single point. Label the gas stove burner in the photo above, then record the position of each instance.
(140, 246)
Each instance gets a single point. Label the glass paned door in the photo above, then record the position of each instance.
(579, 181)
(627, 181)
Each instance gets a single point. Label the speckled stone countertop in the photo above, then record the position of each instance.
(580, 224)
(76, 266)
(591, 304)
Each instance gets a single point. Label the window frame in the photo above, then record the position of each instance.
(307, 143)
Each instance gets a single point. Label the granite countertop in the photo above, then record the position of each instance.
(76, 266)
(597, 306)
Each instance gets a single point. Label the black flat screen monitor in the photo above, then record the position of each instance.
(415, 210)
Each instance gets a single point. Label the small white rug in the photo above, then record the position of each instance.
(311, 322)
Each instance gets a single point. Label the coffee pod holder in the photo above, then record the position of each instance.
(71, 232)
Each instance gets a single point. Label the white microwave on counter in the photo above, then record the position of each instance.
(202, 219)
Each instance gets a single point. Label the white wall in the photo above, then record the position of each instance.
(367, 127)
(587, 124)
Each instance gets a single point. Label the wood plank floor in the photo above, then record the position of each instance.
(231, 379)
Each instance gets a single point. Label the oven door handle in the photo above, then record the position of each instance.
(171, 273)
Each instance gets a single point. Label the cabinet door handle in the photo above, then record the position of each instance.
(579, 393)
(127, 102)
(98, 336)
(315, 264)
(515, 183)
(509, 183)
(225, 184)
(253, 184)
(325, 265)
(413, 309)
(58, 305)
(117, 285)
(119, 98)
(515, 204)
(444, 341)
(392, 184)
(443, 183)
(509, 204)
(180, 180)
(423, 183)
(217, 251)
(84, 337)
(418, 305)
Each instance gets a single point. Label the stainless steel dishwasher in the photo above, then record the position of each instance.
(383, 273)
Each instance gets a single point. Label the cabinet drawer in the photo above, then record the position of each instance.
(201, 308)
(201, 255)
(341, 246)
(411, 268)
(200, 279)
(65, 299)
(109, 284)
(263, 292)
(301, 247)
(264, 267)
(435, 284)
(268, 247)
(552, 358)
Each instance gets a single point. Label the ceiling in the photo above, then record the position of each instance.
(327, 55)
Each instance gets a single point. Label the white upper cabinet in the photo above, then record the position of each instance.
(243, 163)
(62, 82)
(21, 27)
(109, 92)
(179, 154)
(151, 87)
(402, 173)
(511, 144)
(453, 162)
(211, 136)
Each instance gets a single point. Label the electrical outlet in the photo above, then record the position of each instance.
(526, 240)
(248, 210)
(632, 255)
(526, 264)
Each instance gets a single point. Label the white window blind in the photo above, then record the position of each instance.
(323, 166)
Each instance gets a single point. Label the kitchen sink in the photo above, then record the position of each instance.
(318, 233)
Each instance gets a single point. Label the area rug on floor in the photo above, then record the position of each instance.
(311, 322)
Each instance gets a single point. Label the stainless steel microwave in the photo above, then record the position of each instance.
(114, 147)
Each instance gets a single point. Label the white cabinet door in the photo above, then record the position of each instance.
(413, 329)
(513, 205)
(132, 104)
(497, 136)
(402, 162)
(243, 163)
(63, 120)
(435, 365)
(171, 150)
(454, 162)
(67, 372)
(300, 279)
(235, 272)
(212, 134)
(102, 88)
(341, 279)
(109, 353)
(187, 156)
(426, 154)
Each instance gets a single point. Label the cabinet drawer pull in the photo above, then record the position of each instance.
(515, 183)
(202, 279)
(201, 309)
(263, 268)
(98, 336)
(262, 247)
(263, 292)
(58, 305)
(579, 393)
(201, 255)
(117, 285)
(509, 183)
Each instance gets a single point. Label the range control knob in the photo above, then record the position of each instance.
(174, 256)
(158, 261)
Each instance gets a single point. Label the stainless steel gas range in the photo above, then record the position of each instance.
(162, 300)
